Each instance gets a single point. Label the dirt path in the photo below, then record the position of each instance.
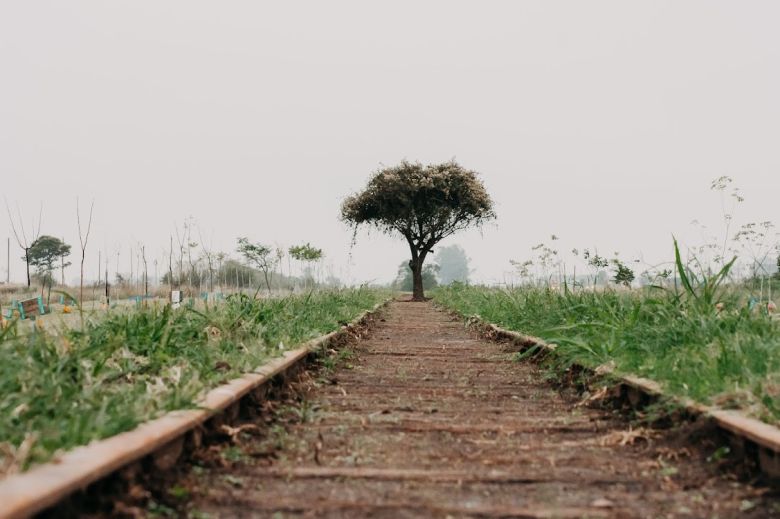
(428, 421)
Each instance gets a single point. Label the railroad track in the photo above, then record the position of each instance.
(426, 421)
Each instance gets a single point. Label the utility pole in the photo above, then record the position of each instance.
(8, 264)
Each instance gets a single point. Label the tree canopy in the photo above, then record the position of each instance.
(423, 204)
(305, 252)
(45, 251)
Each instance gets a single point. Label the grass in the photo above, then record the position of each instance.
(681, 339)
(67, 389)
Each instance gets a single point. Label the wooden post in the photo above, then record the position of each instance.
(108, 299)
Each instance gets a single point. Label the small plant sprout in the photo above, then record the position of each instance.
(43, 254)
(83, 239)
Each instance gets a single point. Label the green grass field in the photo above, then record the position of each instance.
(725, 354)
(66, 389)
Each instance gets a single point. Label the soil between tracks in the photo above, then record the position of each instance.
(427, 420)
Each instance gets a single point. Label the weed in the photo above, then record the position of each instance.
(719, 454)
(179, 492)
(233, 454)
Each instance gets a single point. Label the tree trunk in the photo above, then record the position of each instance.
(81, 281)
(267, 282)
(418, 293)
(27, 261)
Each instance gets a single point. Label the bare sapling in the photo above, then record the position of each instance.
(83, 239)
(131, 283)
(220, 274)
(190, 246)
(208, 255)
(22, 239)
(170, 268)
(96, 285)
(180, 260)
(146, 271)
(108, 297)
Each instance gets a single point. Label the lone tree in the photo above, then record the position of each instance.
(424, 204)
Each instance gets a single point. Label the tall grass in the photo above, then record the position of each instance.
(703, 342)
(63, 390)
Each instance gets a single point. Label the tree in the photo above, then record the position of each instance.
(306, 253)
(404, 281)
(453, 264)
(44, 253)
(423, 204)
(260, 255)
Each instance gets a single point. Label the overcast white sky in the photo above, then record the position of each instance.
(600, 121)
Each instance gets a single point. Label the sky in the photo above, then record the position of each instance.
(602, 122)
